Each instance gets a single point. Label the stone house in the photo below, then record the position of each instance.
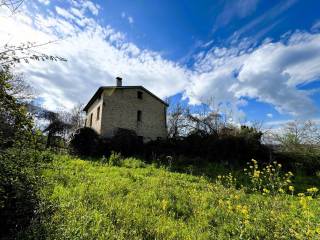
(127, 107)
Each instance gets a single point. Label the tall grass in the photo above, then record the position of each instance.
(92, 200)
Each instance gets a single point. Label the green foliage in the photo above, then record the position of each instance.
(115, 159)
(91, 200)
(133, 163)
(85, 142)
(20, 179)
(20, 159)
(268, 179)
(15, 124)
(306, 162)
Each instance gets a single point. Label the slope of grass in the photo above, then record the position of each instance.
(87, 200)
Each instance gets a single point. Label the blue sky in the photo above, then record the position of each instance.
(258, 59)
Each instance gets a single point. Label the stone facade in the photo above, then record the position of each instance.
(133, 108)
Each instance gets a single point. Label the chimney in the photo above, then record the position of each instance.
(119, 81)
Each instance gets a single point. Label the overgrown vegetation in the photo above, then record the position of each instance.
(21, 148)
(94, 200)
(21, 160)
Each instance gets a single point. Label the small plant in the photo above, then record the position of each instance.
(103, 159)
(115, 159)
(227, 180)
(269, 179)
(169, 160)
(313, 192)
(133, 163)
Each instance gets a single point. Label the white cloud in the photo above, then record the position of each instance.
(64, 13)
(45, 2)
(96, 54)
(235, 9)
(128, 18)
(316, 26)
(94, 8)
(268, 16)
(269, 115)
(269, 73)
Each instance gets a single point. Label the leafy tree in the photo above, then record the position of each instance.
(19, 159)
(57, 126)
(15, 123)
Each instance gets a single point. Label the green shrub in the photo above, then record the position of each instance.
(115, 159)
(86, 142)
(268, 179)
(20, 180)
(133, 163)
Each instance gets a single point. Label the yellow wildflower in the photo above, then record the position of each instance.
(256, 173)
(312, 190)
(265, 190)
(164, 204)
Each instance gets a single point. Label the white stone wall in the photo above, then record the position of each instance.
(96, 124)
(120, 108)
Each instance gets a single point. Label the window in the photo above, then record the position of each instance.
(139, 94)
(139, 116)
(140, 139)
(91, 116)
(98, 113)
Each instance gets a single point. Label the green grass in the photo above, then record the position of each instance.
(90, 200)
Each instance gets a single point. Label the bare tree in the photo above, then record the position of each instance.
(12, 54)
(13, 5)
(77, 118)
(177, 121)
(205, 123)
(208, 119)
(19, 89)
(299, 135)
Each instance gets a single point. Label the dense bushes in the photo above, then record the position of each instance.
(304, 162)
(233, 150)
(20, 160)
(196, 148)
(20, 179)
(126, 141)
(86, 142)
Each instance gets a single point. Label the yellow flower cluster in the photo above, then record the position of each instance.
(312, 190)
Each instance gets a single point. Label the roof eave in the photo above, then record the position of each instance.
(100, 89)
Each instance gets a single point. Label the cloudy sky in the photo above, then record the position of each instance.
(261, 59)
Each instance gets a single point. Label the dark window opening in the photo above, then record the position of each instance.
(139, 94)
(91, 116)
(98, 113)
(139, 116)
(140, 139)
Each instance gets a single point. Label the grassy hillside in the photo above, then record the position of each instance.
(87, 200)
